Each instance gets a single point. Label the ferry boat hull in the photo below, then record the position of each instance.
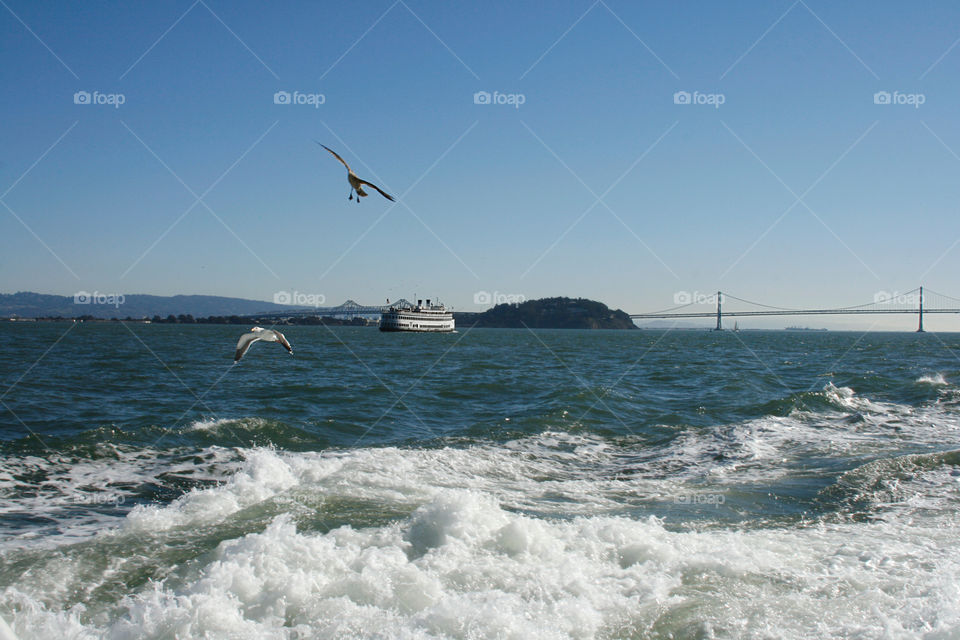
(418, 329)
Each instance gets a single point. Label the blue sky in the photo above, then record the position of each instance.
(798, 190)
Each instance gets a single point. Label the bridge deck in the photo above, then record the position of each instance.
(799, 312)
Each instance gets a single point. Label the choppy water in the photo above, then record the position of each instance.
(484, 484)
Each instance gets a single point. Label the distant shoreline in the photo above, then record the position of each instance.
(226, 320)
(332, 322)
(543, 313)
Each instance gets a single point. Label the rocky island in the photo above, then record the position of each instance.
(548, 313)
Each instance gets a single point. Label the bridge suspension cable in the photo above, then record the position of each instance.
(880, 305)
(942, 295)
(758, 304)
(884, 301)
(850, 308)
(672, 309)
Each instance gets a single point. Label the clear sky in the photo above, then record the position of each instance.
(783, 178)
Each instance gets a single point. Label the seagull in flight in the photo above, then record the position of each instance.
(356, 184)
(259, 333)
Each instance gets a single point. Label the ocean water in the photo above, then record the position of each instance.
(482, 484)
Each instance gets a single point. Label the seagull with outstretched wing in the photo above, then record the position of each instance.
(259, 333)
(356, 183)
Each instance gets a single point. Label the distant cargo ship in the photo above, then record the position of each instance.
(426, 318)
(803, 329)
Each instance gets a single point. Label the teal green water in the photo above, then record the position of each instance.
(347, 383)
(148, 482)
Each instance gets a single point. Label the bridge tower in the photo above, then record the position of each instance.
(920, 328)
(719, 315)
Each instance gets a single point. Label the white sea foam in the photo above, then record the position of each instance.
(935, 379)
(208, 425)
(531, 539)
(74, 497)
(461, 566)
(847, 398)
(551, 474)
(263, 476)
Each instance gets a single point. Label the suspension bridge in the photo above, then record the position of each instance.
(916, 302)
(349, 308)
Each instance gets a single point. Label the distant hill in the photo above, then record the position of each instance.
(549, 313)
(26, 304)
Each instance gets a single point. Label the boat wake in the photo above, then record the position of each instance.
(560, 534)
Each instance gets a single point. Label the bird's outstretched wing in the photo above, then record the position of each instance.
(246, 340)
(382, 192)
(282, 339)
(335, 155)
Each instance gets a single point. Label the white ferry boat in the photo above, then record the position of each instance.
(419, 317)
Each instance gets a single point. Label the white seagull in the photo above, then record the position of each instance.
(259, 333)
(356, 184)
